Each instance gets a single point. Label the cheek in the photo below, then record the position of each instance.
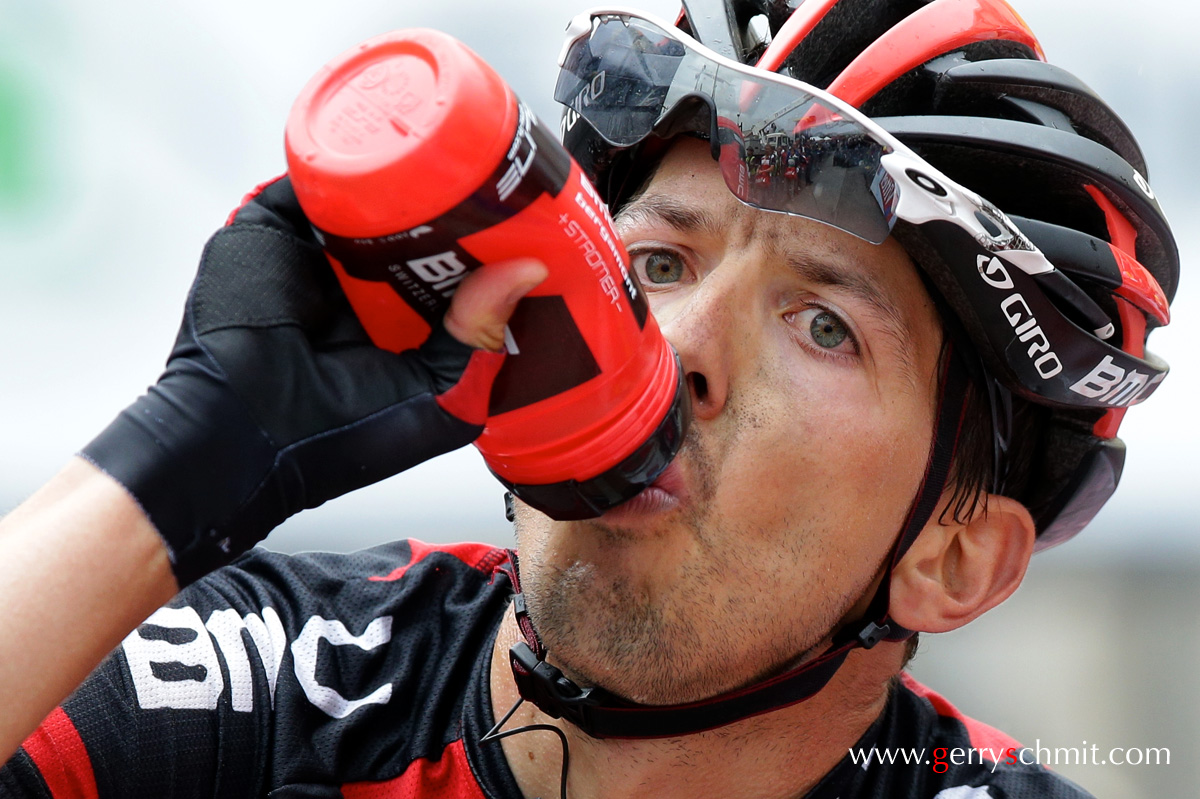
(816, 448)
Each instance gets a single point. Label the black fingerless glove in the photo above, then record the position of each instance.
(274, 399)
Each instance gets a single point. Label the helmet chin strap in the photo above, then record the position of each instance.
(602, 714)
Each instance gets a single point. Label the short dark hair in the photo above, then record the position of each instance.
(910, 649)
(973, 469)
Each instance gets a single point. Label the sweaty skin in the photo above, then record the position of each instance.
(811, 356)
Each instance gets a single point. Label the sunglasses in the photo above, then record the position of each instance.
(782, 145)
(786, 146)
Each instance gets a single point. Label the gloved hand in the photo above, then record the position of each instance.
(274, 399)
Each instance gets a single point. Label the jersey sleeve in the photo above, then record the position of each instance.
(277, 675)
(181, 708)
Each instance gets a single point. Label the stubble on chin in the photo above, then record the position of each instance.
(660, 636)
(603, 629)
(634, 632)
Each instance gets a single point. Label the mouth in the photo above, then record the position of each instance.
(665, 494)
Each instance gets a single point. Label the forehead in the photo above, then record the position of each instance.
(687, 187)
(688, 194)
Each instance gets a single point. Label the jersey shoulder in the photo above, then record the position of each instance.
(281, 670)
(966, 758)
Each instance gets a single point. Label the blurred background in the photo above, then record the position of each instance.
(129, 129)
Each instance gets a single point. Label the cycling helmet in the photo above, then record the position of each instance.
(965, 84)
(1019, 194)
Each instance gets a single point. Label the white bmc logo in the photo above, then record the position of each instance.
(192, 654)
(1113, 385)
(441, 272)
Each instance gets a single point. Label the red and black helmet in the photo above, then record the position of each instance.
(1019, 194)
(965, 84)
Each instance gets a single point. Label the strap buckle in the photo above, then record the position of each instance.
(549, 689)
(872, 634)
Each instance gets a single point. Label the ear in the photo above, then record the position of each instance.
(955, 572)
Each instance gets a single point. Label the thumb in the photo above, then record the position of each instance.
(485, 300)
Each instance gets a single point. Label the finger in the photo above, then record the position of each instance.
(485, 300)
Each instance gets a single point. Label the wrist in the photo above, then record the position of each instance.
(189, 454)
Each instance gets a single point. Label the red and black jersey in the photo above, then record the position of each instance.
(366, 675)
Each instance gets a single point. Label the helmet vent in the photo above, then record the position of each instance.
(844, 32)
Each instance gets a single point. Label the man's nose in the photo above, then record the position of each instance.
(703, 328)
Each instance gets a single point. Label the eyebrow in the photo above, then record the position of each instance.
(683, 218)
(811, 269)
(861, 287)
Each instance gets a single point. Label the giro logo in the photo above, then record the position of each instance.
(1113, 385)
(1018, 313)
(993, 272)
(589, 93)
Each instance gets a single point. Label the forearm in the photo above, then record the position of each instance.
(80, 566)
(274, 400)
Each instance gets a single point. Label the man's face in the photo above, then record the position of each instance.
(811, 356)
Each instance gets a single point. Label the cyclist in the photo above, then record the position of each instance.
(900, 389)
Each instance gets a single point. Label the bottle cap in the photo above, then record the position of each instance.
(396, 131)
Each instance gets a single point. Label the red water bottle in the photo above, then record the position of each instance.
(416, 163)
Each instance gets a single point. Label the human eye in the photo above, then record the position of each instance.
(658, 266)
(823, 332)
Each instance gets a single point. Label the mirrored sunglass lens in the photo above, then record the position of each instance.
(617, 78)
(783, 150)
(779, 147)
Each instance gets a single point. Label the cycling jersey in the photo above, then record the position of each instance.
(366, 675)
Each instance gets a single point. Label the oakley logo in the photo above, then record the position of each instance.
(1018, 313)
(1113, 385)
(1142, 184)
(927, 183)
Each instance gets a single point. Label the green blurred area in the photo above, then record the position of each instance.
(22, 163)
(35, 45)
